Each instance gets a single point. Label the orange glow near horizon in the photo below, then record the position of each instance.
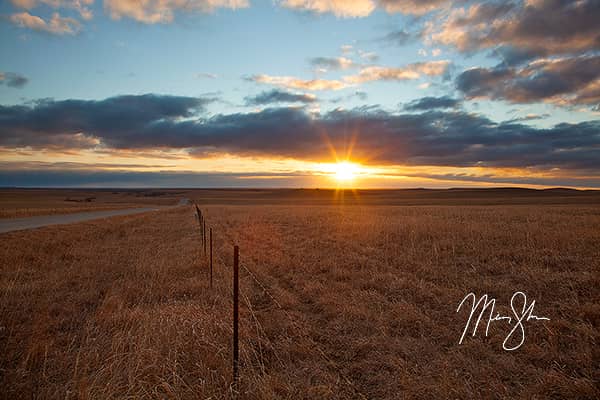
(338, 172)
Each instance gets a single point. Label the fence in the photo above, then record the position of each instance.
(235, 295)
(235, 340)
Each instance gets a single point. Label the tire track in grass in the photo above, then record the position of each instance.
(302, 309)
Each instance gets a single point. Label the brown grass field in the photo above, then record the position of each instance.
(15, 203)
(348, 297)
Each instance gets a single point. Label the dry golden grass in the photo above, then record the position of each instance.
(110, 310)
(16, 203)
(361, 303)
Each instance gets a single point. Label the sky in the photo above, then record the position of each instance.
(299, 93)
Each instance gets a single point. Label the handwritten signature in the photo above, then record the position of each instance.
(520, 315)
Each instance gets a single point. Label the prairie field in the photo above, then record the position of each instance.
(352, 299)
(16, 203)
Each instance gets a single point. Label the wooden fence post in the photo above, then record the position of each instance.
(211, 257)
(236, 290)
(204, 235)
(201, 219)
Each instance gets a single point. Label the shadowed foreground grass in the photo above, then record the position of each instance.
(360, 303)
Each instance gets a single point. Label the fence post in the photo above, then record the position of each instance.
(211, 267)
(204, 235)
(200, 221)
(236, 289)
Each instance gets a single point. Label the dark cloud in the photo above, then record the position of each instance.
(444, 138)
(12, 79)
(136, 179)
(541, 27)
(561, 81)
(479, 82)
(360, 95)
(511, 56)
(83, 123)
(70, 166)
(279, 96)
(547, 49)
(430, 103)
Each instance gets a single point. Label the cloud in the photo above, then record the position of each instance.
(347, 49)
(511, 56)
(410, 71)
(564, 81)
(368, 55)
(532, 27)
(416, 7)
(206, 75)
(365, 74)
(433, 138)
(360, 95)
(363, 8)
(499, 178)
(13, 176)
(548, 49)
(279, 96)
(530, 117)
(481, 82)
(399, 38)
(81, 6)
(430, 103)
(68, 165)
(57, 25)
(333, 63)
(89, 123)
(340, 8)
(163, 11)
(26, 4)
(12, 79)
(297, 83)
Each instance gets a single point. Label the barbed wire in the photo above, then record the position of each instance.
(315, 344)
(301, 329)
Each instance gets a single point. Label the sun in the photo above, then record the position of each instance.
(345, 171)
